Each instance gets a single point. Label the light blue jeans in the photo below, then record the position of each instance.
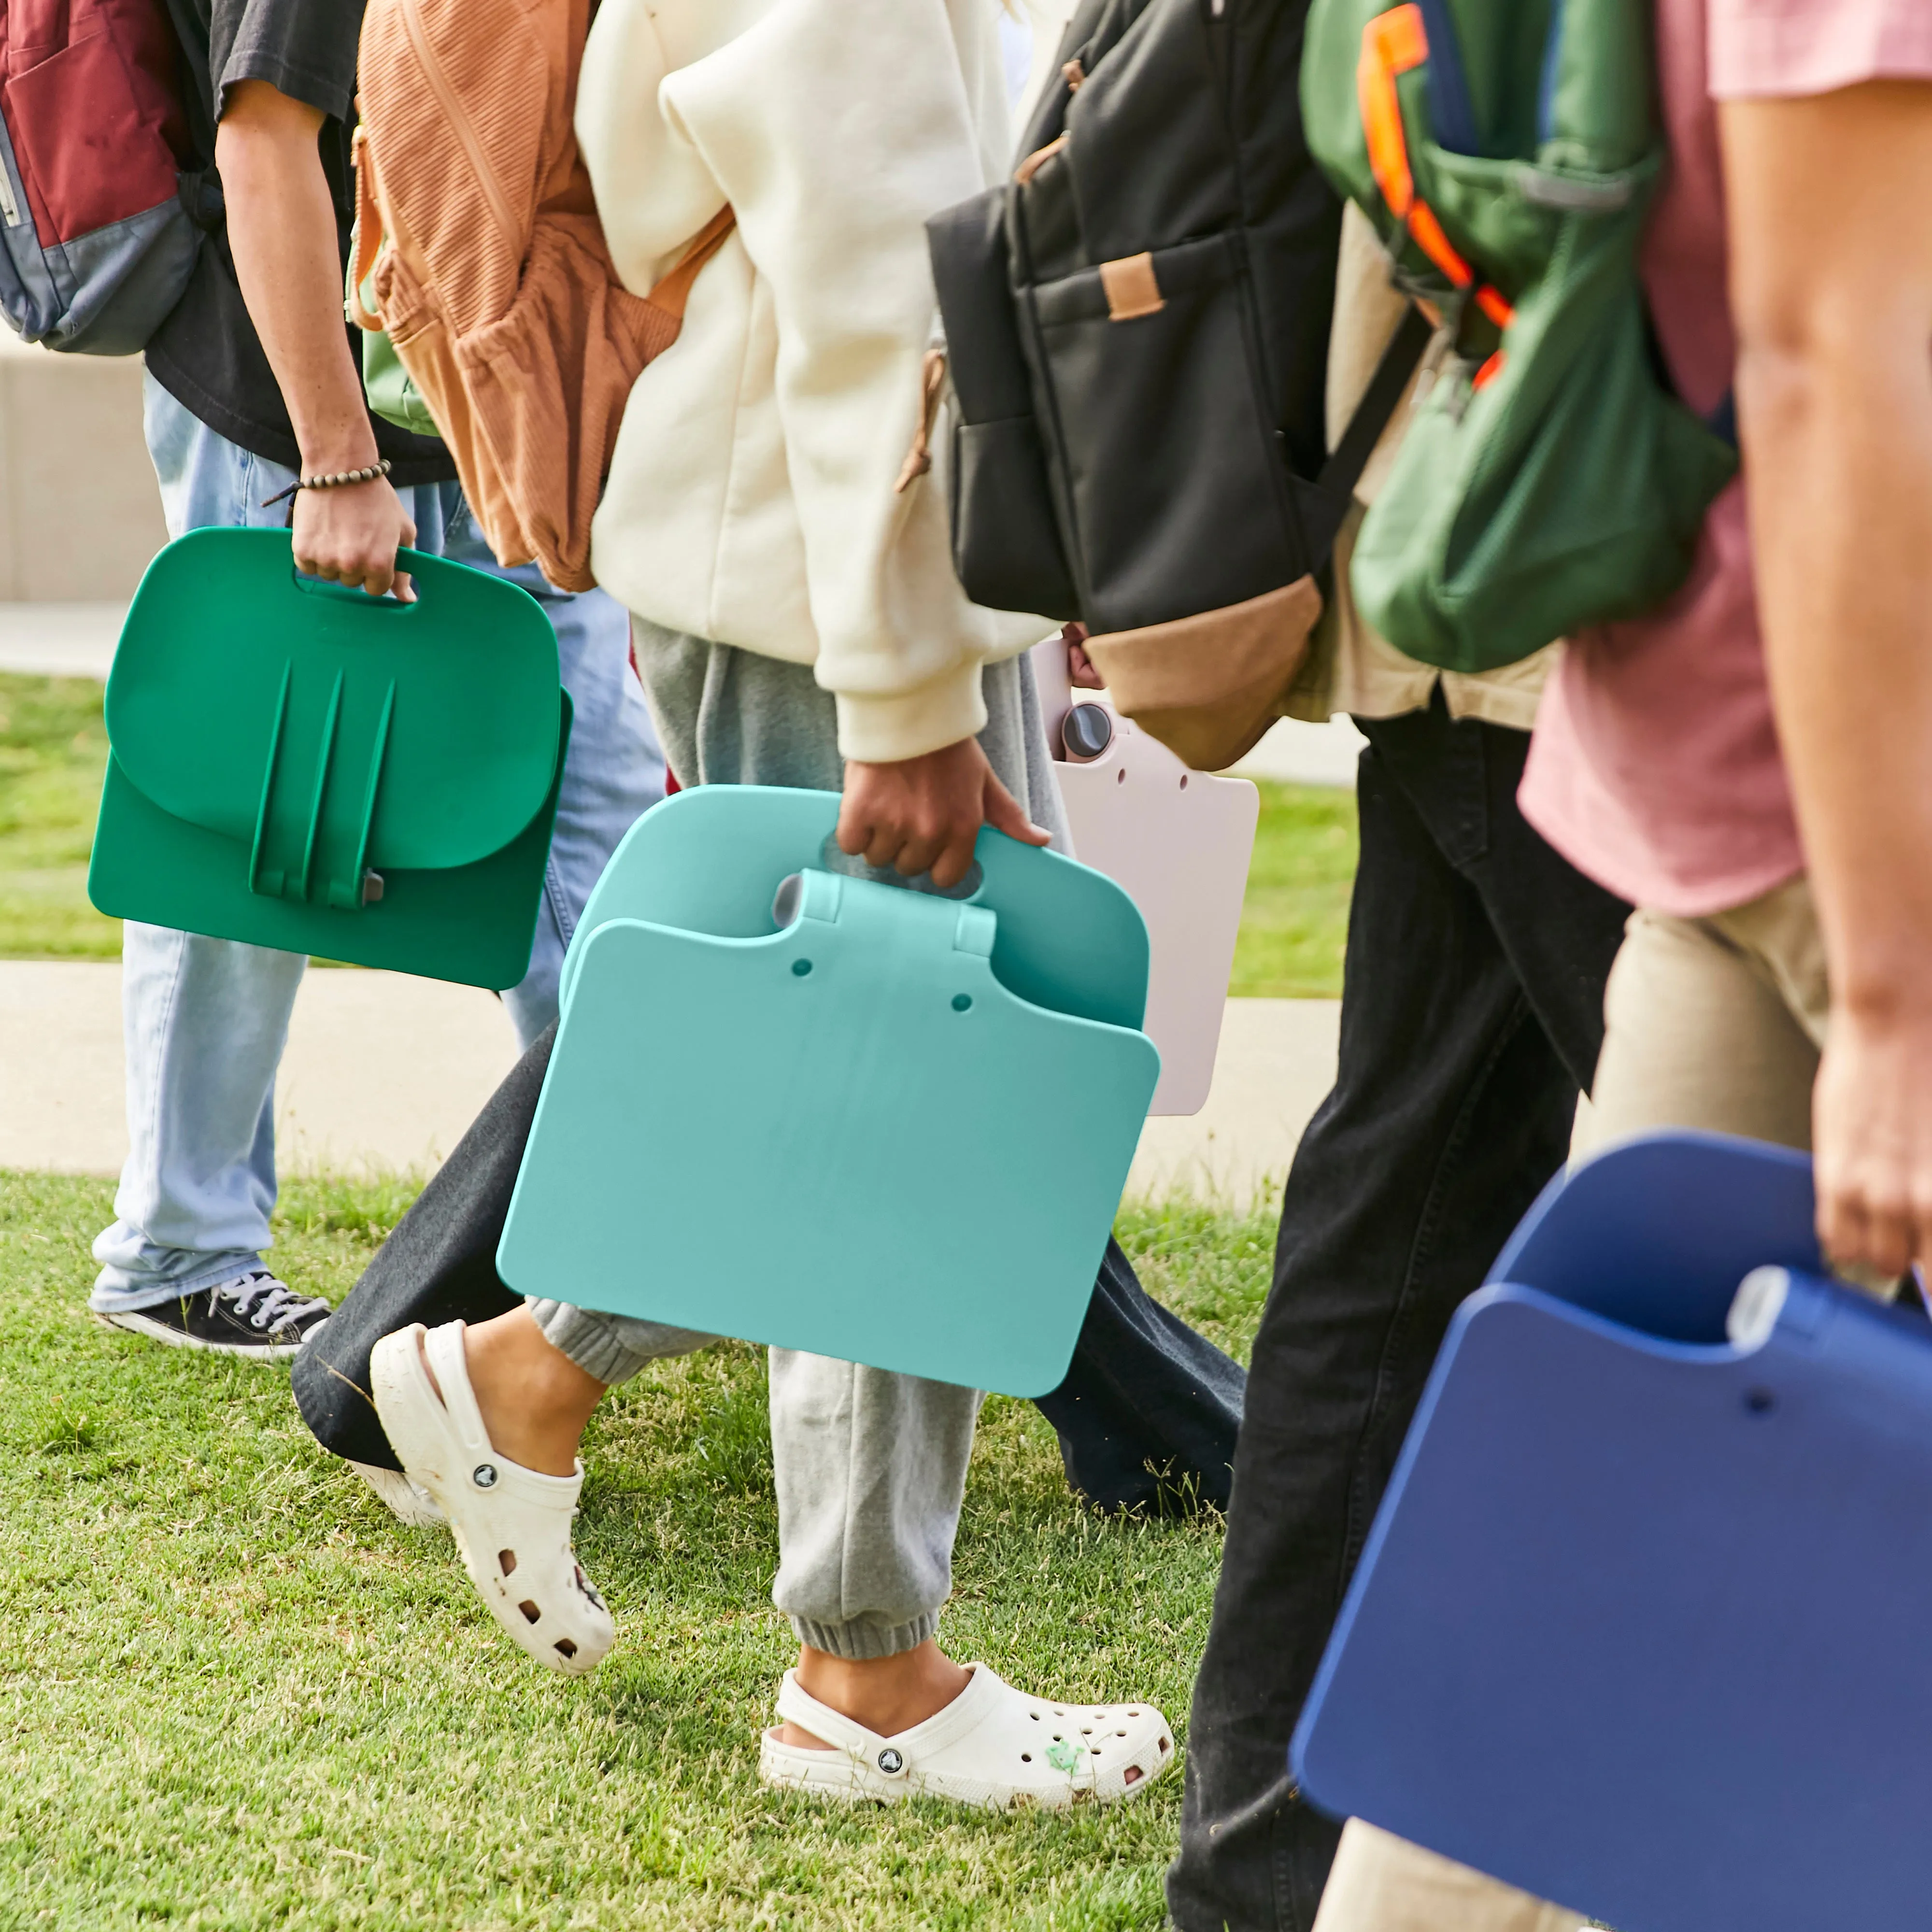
(206, 1019)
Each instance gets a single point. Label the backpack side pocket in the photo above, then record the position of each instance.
(1177, 494)
(1006, 540)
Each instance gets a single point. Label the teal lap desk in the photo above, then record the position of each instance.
(300, 765)
(1645, 1624)
(813, 1110)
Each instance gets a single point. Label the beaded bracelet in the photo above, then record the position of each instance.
(335, 482)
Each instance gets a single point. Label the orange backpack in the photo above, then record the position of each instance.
(477, 232)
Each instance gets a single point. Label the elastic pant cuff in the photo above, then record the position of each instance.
(611, 1348)
(863, 1639)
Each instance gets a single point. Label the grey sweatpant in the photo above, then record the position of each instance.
(871, 1466)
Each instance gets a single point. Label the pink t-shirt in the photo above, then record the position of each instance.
(1655, 766)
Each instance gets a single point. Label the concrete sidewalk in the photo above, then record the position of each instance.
(386, 1072)
(60, 640)
(382, 1070)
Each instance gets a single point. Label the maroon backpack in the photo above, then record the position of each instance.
(100, 201)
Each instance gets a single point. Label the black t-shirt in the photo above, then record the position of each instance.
(206, 355)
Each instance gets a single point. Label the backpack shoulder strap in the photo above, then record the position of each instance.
(673, 290)
(368, 233)
(1350, 457)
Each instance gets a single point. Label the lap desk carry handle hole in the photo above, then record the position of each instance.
(1068, 938)
(406, 563)
(833, 858)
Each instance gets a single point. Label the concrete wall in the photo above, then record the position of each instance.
(80, 513)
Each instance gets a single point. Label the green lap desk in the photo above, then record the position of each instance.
(865, 1122)
(300, 765)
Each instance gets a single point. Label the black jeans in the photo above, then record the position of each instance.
(1471, 1014)
(1146, 1417)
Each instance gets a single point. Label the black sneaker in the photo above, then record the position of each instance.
(252, 1315)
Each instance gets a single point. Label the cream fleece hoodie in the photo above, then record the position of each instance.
(750, 498)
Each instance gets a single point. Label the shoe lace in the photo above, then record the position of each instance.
(263, 1302)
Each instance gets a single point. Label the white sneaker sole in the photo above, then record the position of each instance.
(135, 1321)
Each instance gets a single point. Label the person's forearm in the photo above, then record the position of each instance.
(1841, 462)
(281, 227)
(1834, 392)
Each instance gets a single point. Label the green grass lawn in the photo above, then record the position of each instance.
(53, 748)
(1295, 917)
(235, 1693)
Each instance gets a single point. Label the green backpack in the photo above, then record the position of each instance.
(1506, 151)
(391, 389)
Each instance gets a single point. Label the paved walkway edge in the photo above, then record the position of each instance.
(384, 1072)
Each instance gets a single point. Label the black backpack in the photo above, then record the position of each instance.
(1137, 328)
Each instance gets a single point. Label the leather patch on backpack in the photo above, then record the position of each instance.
(1131, 288)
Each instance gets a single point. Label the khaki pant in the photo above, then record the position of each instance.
(1713, 1023)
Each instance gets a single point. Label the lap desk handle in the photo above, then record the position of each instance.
(297, 764)
(880, 1124)
(1642, 1625)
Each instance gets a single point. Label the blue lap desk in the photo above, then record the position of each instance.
(1644, 1624)
(874, 1123)
(298, 764)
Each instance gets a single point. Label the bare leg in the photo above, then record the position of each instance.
(885, 1694)
(535, 1400)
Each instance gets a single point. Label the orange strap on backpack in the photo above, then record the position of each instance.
(1393, 44)
(672, 291)
(368, 233)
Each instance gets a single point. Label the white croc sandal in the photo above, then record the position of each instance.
(992, 1747)
(404, 1501)
(511, 1524)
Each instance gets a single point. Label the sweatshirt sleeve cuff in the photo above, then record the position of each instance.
(882, 728)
